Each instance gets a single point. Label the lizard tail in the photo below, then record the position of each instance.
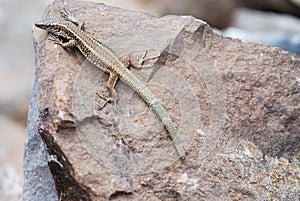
(146, 94)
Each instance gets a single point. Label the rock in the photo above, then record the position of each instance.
(11, 155)
(38, 181)
(16, 57)
(12, 137)
(217, 13)
(278, 30)
(236, 106)
(283, 6)
(10, 183)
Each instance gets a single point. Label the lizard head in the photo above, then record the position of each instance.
(53, 26)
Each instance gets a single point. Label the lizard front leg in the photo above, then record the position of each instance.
(67, 15)
(69, 44)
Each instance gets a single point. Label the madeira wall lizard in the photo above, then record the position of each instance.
(69, 34)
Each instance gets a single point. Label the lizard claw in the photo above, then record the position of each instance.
(108, 99)
(67, 15)
(138, 62)
(105, 98)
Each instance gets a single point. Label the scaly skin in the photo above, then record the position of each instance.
(104, 58)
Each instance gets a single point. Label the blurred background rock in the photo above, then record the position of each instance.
(272, 22)
(16, 79)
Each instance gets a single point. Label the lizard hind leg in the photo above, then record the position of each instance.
(113, 97)
(106, 99)
(111, 83)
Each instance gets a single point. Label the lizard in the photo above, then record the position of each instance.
(68, 32)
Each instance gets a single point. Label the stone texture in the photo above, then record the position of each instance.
(38, 181)
(218, 13)
(236, 106)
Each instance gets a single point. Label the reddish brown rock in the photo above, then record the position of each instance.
(218, 13)
(236, 106)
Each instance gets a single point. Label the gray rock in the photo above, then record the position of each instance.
(38, 181)
(10, 183)
(278, 30)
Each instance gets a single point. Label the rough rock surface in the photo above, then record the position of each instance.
(236, 106)
(217, 13)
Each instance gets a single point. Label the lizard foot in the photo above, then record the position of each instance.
(137, 62)
(67, 15)
(106, 99)
(112, 98)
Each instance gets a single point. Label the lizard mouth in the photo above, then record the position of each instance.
(53, 29)
(40, 25)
